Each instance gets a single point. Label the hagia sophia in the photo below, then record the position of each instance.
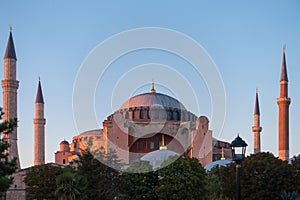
(138, 126)
(145, 123)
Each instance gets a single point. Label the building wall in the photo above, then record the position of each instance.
(61, 157)
(15, 194)
(17, 188)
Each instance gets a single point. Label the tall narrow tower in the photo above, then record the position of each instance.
(256, 128)
(10, 86)
(39, 128)
(283, 104)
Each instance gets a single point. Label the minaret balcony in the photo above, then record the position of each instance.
(256, 129)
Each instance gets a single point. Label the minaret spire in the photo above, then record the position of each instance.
(256, 107)
(39, 127)
(283, 115)
(256, 128)
(10, 47)
(10, 87)
(283, 75)
(39, 95)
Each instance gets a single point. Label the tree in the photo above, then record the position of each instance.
(7, 167)
(267, 176)
(41, 181)
(104, 182)
(140, 181)
(70, 185)
(296, 162)
(263, 176)
(214, 184)
(183, 178)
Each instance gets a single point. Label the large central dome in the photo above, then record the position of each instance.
(153, 99)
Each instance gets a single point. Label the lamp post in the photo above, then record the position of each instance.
(238, 150)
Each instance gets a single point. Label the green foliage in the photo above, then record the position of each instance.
(140, 181)
(263, 176)
(184, 178)
(103, 182)
(7, 167)
(70, 185)
(41, 181)
(214, 184)
(228, 179)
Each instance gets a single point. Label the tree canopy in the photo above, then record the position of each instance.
(70, 185)
(103, 182)
(140, 181)
(7, 167)
(263, 176)
(41, 181)
(182, 178)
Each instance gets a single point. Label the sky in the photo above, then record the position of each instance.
(55, 39)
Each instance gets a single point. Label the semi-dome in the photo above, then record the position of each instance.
(156, 158)
(223, 163)
(92, 132)
(151, 100)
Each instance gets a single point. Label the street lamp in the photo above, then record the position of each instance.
(238, 150)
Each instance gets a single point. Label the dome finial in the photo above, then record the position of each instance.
(223, 154)
(152, 89)
(163, 146)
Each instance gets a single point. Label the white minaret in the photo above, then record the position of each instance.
(39, 128)
(10, 86)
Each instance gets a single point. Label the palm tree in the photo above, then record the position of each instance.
(69, 186)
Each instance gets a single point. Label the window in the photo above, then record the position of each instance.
(148, 144)
(142, 114)
(151, 145)
(139, 146)
(99, 138)
(64, 161)
(156, 142)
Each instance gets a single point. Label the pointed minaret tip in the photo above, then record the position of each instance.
(283, 75)
(10, 48)
(39, 94)
(256, 107)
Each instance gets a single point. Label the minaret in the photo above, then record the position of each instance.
(283, 104)
(10, 86)
(256, 128)
(39, 128)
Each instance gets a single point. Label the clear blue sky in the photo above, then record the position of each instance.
(244, 39)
